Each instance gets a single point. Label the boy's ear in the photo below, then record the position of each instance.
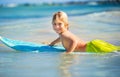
(67, 27)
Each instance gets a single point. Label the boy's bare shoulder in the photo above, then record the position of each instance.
(67, 34)
(70, 35)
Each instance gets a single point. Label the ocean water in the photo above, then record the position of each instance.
(59, 65)
(33, 24)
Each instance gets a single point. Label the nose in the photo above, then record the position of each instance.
(56, 26)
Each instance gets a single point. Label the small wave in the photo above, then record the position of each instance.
(97, 14)
(94, 13)
(11, 5)
(92, 3)
(105, 14)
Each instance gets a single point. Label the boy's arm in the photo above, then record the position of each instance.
(72, 46)
(55, 41)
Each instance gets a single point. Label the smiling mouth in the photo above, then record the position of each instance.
(57, 31)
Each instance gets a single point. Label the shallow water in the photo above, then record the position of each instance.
(59, 65)
(87, 22)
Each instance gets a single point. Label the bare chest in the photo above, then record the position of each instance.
(65, 42)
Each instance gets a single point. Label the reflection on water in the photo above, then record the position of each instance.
(67, 61)
(59, 65)
(89, 65)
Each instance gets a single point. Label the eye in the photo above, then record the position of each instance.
(54, 23)
(60, 24)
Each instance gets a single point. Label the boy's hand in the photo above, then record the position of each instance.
(51, 44)
(54, 42)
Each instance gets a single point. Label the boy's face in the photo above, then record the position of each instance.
(58, 26)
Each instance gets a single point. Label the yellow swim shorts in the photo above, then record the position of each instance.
(101, 46)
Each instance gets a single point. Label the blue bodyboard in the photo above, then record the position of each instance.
(29, 46)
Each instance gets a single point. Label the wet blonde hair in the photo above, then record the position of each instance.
(62, 16)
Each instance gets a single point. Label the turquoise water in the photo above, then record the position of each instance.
(47, 10)
(33, 24)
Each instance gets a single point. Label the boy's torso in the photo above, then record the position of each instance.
(67, 38)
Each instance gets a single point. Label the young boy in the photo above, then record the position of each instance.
(73, 43)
